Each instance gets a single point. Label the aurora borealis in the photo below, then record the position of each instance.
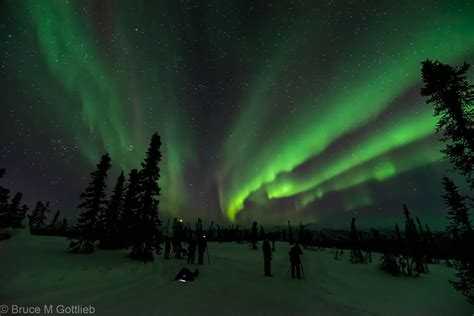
(273, 110)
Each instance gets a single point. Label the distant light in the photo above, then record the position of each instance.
(182, 280)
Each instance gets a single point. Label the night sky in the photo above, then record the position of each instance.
(273, 110)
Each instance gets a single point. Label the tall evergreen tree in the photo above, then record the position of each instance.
(198, 227)
(109, 236)
(54, 221)
(129, 209)
(290, 234)
(16, 213)
(64, 226)
(452, 97)
(38, 217)
(93, 202)
(147, 233)
(458, 212)
(356, 252)
(412, 252)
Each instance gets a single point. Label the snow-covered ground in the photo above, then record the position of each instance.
(37, 270)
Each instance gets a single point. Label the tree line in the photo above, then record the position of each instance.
(13, 213)
(129, 218)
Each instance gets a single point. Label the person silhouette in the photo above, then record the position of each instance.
(202, 246)
(191, 250)
(295, 261)
(267, 258)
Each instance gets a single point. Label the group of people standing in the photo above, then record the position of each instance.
(198, 245)
(295, 260)
(196, 242)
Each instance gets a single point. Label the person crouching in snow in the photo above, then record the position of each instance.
(185, 275)
(295, 261)
(267, 258)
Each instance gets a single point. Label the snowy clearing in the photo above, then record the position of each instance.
(37, 270)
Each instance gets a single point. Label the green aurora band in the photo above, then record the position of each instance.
(72, 56)
(309, 87)
(364, 95)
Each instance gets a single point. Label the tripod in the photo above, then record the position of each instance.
(302, 270)
(207, 251)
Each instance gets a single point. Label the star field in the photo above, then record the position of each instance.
(268, 110)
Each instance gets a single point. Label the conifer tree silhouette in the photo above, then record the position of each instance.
(198, 227)
(129, 209)
(458, 212)
(54, 221)
(356, 252)
(93, 202)
(147, 235)
(461, 230)
(16, 213)
(109, 236)
(452, 97)
(38, 217)
(413, 252)
(290, 234)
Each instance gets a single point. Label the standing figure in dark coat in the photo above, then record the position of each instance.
(295, 261)
(267, 258)
(191, 250)
(202, 246)
(167, 247)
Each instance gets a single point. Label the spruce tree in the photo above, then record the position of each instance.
(356, 252)
(54, 221)
(93, 202)
(109, 236)
(129, 209)
(460, 228)
(290, 234)
(198, 227)
(413, 252)
(16, 213)
(63, 227)
(301, 235)
(38, 217)
(452, 97)
(458, 212)
(147, 229)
